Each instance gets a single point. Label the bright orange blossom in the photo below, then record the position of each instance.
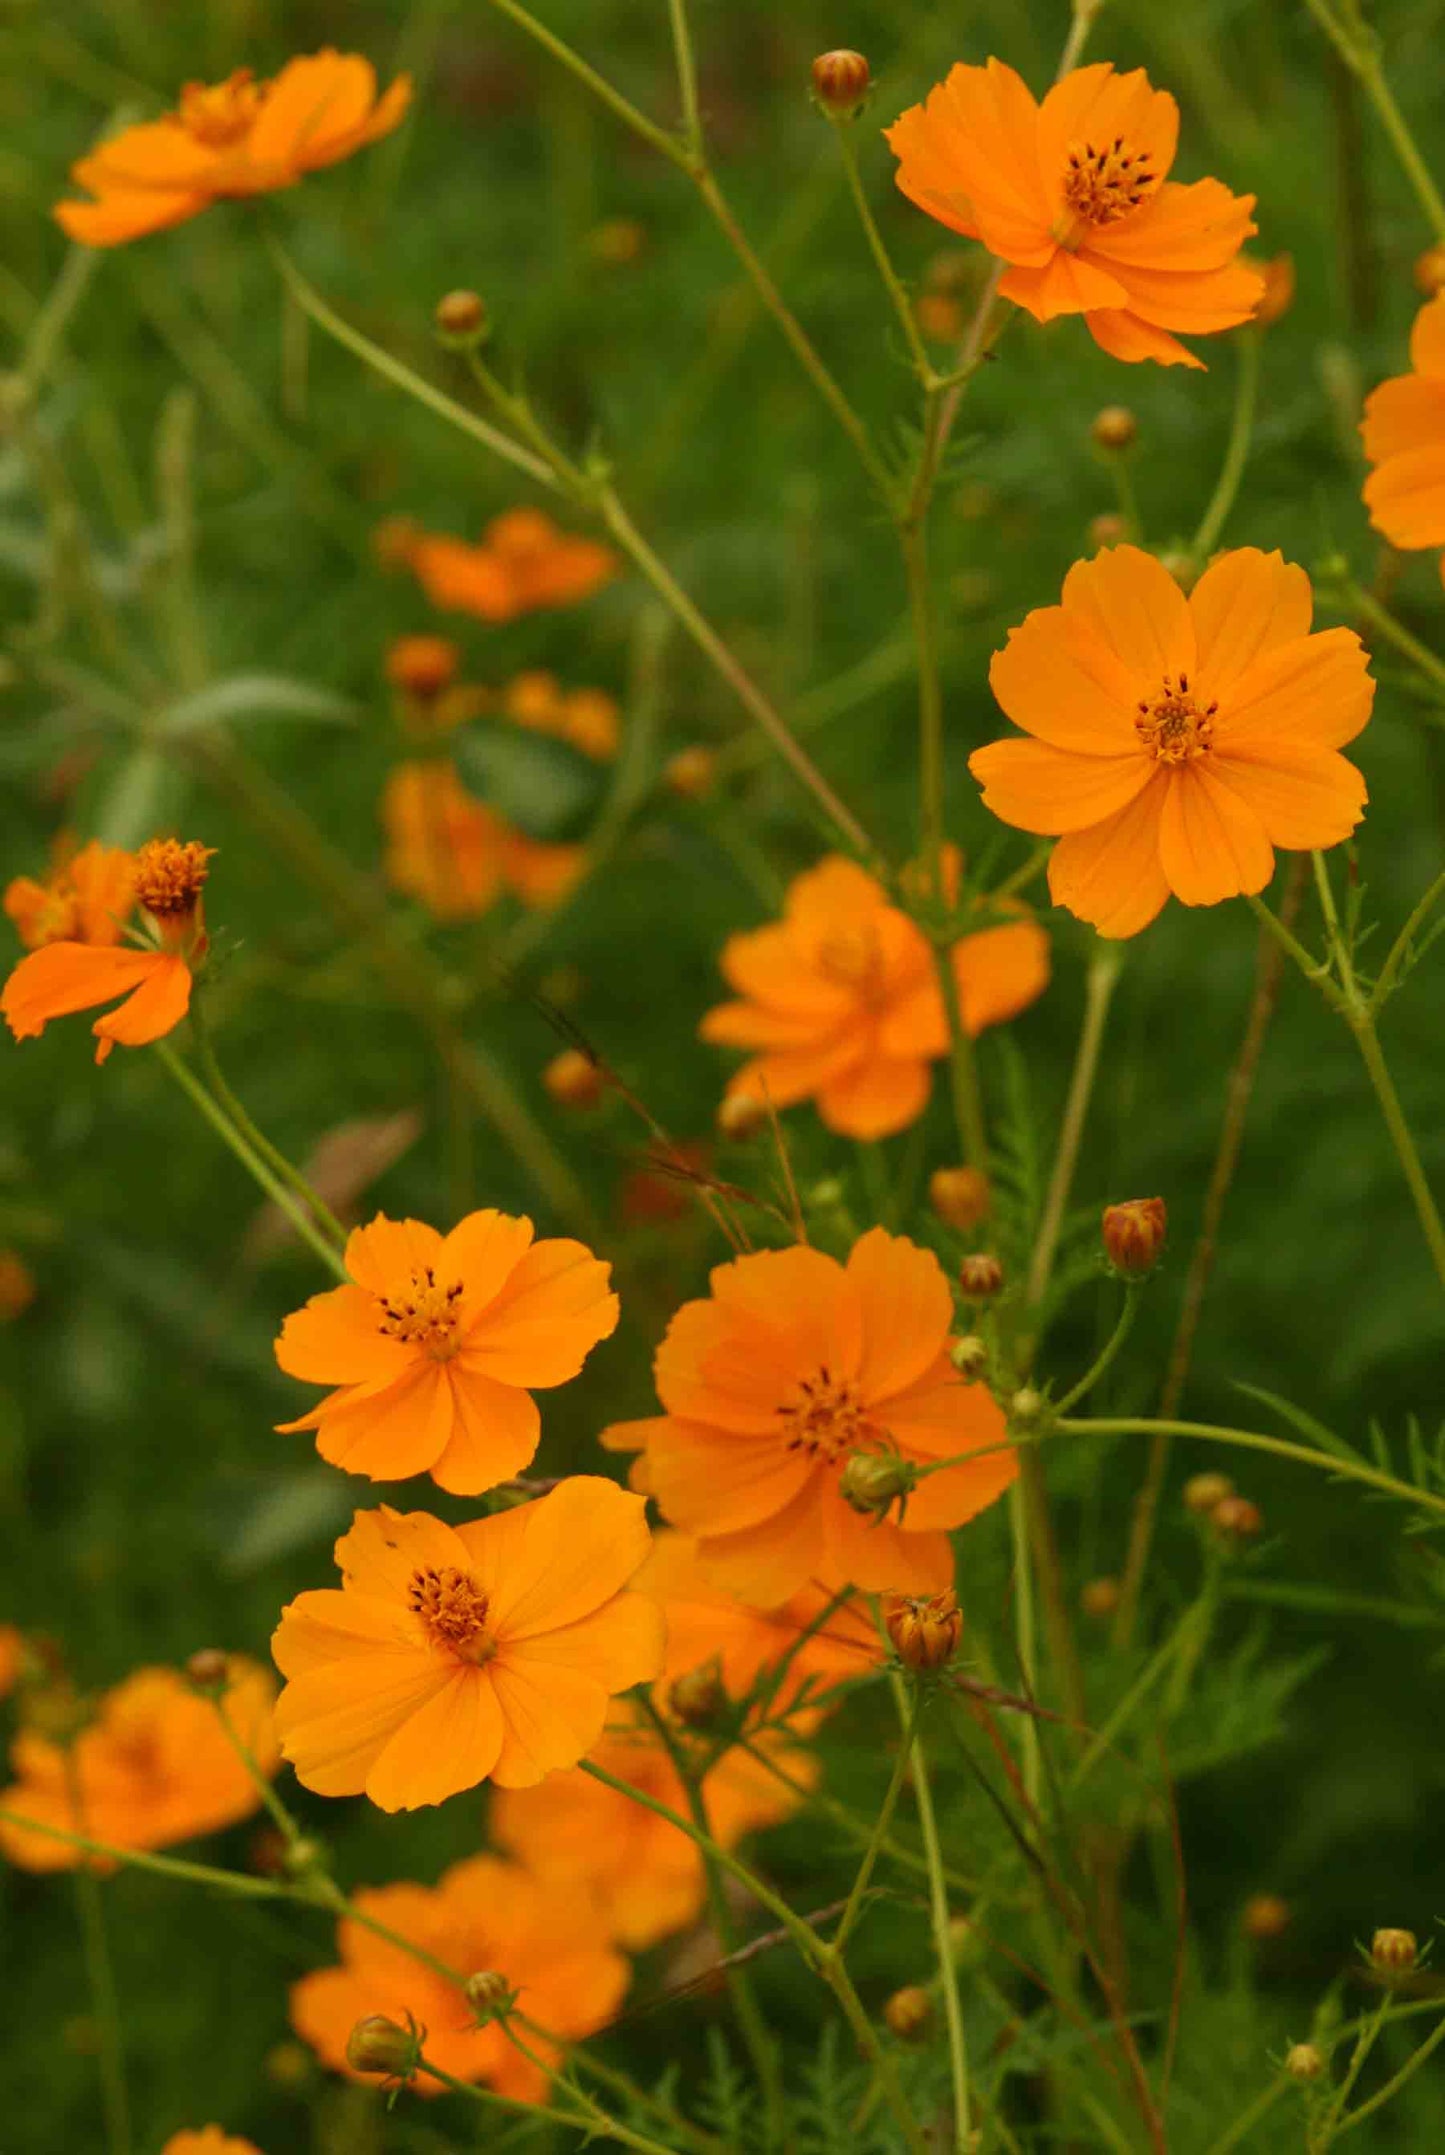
(523, 562)
(85, 898)
(208, 2140)
(1175, 742)
(1404, 436)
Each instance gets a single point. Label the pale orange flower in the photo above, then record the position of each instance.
(153, 1768)
(437, 1344)
(1175, 742)
(483, 1915)
(86, 897)
(209, 2140)
(1073, 195)
(709, 1629)
(522, 563)
(840, 1002)
(63, 977)
(453, 1655)
(444, 847)
(229, 139)
(422, 665)
(540, 872)
(794, 1363)
(587, 717)
(606, 1850)
(1404, 435)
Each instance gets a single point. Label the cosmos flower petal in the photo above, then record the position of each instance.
(908, 1309)
(1406, 496)
(335, 1339)
(337, 1719)
(1062, 683)
(1125, 336)
(155, 1008)
(1245, 604)
(1196, 228)
(717, 1487)
(62, 978)
(484, 1250)
(971, 148)
(1304, 797)
(1000, 971)
(1109, 874)
(879, 1555)
(1038, 787)
(451, 1742)
(325, 1623)
(877, 1098)
(494, 1431)
(550, 1563)
(120, 217)
(1128, 599)
(384, 1251)
(1065, 284)
(552, 1717)
(1402, 415)
(382, 1548)
(555, 1307)
(1212, 845)
(1316, 692)
(400, 1430)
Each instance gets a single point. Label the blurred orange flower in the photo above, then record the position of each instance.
(1175, 742)
(154, 1767)
(451, 1655)
(523, 562)
(12, 1658)
(708, 1628)
(794, 1363)
(455, 855)
(840, 1000)
(552, 1947)
(17, 1286)
(422, 665)
(436, 1345)
(1073, 195)
(86, 897)
(539, 872)
(60, 978)
(209, 2140)
(1404, 435)
(227, 139)
(602, 1848)
(587, 717)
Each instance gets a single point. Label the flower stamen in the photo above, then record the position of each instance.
(827, 1420)
(1172, 726)
(452, 1610)
(426, 1315)
(1102, 185)
(221, 113)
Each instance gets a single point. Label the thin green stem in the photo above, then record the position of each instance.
(622, 108)
(100, 1978)
(878, 1836)
(589, 2118)
(909, 1720)
(1339, 1464)
(1026, 1641)
(325, 1218)
(1359, 48)
(1400, 948)
(1105, 963)
(1236, 455)
(261, 1781)
(1315, 970)
(1321, 2132)
(1406, 1151)
(1396, 2081)
(48, 328)
(1122, 1327)
(226, 1130)
(175, 1867)
(686, 76)
(843, 128)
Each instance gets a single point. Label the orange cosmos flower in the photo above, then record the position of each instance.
(422, 666)
(436, 1346)
(587, 717)
(452, 1655)
(86, 898)
(840, 1000)
(539, 872)
(445, 848)
(153, 1768)
(62, 977)
(1404, 435)
(551, 1947)
(522, 563)
(601, 1848)
(708, 1629)
(210, 2140)
(1175, 742)
(227, 139)
(793, 1364)
(1073, 195)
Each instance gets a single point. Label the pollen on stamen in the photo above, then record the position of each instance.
(170, 875)
(452, 1610)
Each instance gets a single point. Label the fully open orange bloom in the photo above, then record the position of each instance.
(1175, 742)
(1073, 194)
(552, 1947)
(602, 1848)
(86, 898)
(154, 1767)
(708, 1629)
(794, 1363)
(436, 1345)
(62, 977)
(456, 855)
(1404, 435)
(523, 562)
(840, 1000)
(226, 139)
(209, 2140)
(451, 1655)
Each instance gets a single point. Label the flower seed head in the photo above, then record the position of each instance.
(872, 1482)
(1304, 2062)
(969, 1357)
(841, 81)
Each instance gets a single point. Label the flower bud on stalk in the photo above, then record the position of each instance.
(1265, 1916)
(699, 1698)
(1114, 428)
(1026, 1406)
(1394, 1953)
(574, 1079)
(872, 1481)
(925, 1632)
(691, 773)
(969, 1357)
(1237, 1519)
(908, 2014)
(960, 1196)
(1108, 528)
(1134, 1235)
(379, 2045)
(461, 320)
(490, 1994)
(209, 1669)
(1100, 1598)
(1203, 1491)
(841, 82)
(1430, 270)
(980, 1277)
(1303, 2061)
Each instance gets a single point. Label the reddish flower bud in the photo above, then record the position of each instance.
(1237, 1519)
(1107, 529)
(841, 81)
(1203, 1491)
(1134, 1235)
(422, 665)
(1265, 1916)
(925, 1632)
(691, 773)
(1430, 270)
(960, 1196)
(209, 1669)
(1100, 1598)
(980, 1277)
(460, 319)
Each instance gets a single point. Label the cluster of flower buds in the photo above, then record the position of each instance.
(1214, 1500)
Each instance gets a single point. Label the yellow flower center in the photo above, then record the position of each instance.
(170, 876)
(852, 957)
(58, 918)
(827, 1418)
(1101, 185)
(1172, 727)
(453, 1612)
(220, 113)
(424, 1314)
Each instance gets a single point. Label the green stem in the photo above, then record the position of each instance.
(1115, 1341)
(1315, 970)
(195, 1874)
(265, 1788)
(909, 1719)
(325, 1218)
(49, 325)
(1236, 455)
(589, 2120)
(1364, 604)
(1026, 1639)
(1344, 1467)
(100, 1977)
(1358, 46)
(226, 1130)
(665, 144)
(1432, 1226)
(1322, 2132)
(842, 125)
(1397, 2081)
(1400, 948)
(686, 77)
(1105, 964)
(878, 1836)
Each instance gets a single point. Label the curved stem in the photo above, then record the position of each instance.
(1400, 948)
(1236, 455)
(100, 1977)
(843, 125)
(136, 1859)
(1368, 608)
(1122, 1327)
(1406, 1151)
(1105, 964)
(1358, 46)
(589, 2120)
(909, 1718)
(1344, 1468)
(623, 109)
(325, 1218)
(877, 1840)
(686, 76)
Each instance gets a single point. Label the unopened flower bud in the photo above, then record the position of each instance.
(1026, 1406)
(1100, 1598)
(460, 319)
(925, 1631)
(379, 2045)
(1394, 1952)
(1430, 270)
(1202, 1492)
(1134, 1235)
(1303, 2061)
(841, 81)
(969, 1357)
(691, 773)
(1108, 528)
(1265, 1916)
(980, 1277)
(740, 1116)
(209, 1669)
(1237, 1519)
(872, 1481)
(909, 2013)
(939, 317)
(573, 1079)
(960, 1196)
(700, 1697)
(490, 1995)
(1114, 428)
(422, 666)
(1279, 283)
